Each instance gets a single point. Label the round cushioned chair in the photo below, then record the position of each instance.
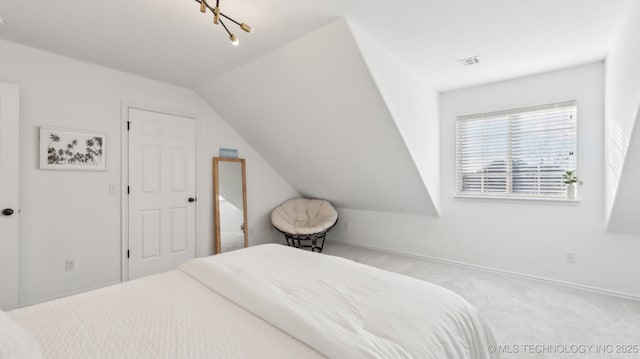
(305, 220)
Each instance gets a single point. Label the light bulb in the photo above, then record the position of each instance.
(203, 6)
(234, 40)
(246, 28)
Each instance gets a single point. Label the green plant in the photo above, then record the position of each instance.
(570, 177)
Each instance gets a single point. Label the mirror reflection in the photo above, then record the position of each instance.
(230, 199)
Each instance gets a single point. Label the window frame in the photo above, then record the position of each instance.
(508, 194)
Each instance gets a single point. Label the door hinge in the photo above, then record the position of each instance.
(128, 190)
(128, 125)
(128, 253)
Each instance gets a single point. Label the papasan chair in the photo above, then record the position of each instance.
(305, 222)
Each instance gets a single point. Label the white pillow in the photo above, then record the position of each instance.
(15, 341)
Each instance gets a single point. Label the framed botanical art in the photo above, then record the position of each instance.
(69, 149)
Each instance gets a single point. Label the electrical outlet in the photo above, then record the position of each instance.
(570, 257)
(70, 265)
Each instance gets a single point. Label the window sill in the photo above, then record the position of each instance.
(517, 199)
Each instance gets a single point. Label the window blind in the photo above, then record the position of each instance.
(520, 153)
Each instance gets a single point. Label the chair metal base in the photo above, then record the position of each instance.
(314, 241)
(297, 241)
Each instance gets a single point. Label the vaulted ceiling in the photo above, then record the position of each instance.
(170, 40)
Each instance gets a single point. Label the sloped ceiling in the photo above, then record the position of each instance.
(622, 147)
(413, 105)
(170, 40)
(623, 217)
(314, 112)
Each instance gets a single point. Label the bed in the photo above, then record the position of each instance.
(267, 301)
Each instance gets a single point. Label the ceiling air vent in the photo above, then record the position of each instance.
(469, 61)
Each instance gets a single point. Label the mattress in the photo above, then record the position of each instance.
(168, 315)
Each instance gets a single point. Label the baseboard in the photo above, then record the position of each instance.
(587, 288)
(38, 301)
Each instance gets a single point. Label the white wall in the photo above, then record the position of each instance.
(71, 215)
(518, 236)
(622, 110)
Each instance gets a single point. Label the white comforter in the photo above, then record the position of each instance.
(344, 309)
(163, 316)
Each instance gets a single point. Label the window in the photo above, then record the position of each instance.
(520, 153)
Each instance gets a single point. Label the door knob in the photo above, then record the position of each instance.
(7, 211)
(191, 200)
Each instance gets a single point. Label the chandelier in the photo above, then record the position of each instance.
(217, 19)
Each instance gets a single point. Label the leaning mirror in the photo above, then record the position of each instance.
(230, 198)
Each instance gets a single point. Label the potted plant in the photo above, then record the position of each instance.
(571, 180)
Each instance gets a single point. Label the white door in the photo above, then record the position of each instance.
(162, 188)
(9, 134)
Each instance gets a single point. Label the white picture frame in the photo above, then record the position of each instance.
(72, 150)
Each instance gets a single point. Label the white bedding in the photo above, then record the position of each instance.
(204, 310)
(344, 309)
(15, 341)
(169, 315)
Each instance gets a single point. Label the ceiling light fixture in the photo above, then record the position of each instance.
(217, 19)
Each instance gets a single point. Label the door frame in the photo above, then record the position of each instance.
(124, 181)
(10, 140)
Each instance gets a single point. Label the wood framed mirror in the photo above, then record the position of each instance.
(230, 199)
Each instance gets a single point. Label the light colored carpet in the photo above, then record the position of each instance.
(527, 316)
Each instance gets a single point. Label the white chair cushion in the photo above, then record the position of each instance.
(15, 341)
(304, 216)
